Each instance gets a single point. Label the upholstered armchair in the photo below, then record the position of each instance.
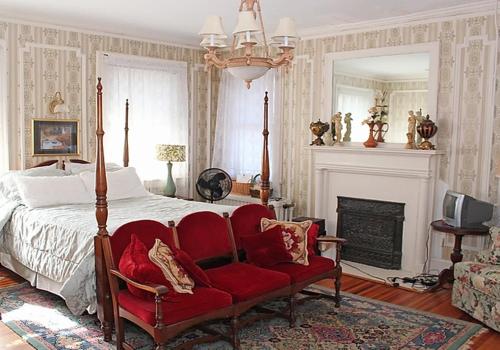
(476, 289)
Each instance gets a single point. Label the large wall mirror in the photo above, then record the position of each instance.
(401, 79)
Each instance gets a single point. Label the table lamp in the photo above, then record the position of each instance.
(170, 153)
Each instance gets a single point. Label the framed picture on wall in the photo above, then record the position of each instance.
(55, 137)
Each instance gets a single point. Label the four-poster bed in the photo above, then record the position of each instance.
(80, 277)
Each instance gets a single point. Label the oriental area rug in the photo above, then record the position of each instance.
(43, 320)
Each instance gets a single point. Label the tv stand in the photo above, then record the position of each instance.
(446, 276)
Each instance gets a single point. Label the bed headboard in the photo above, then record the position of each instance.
(46, 163)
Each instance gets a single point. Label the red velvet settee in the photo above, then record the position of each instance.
(235, 286)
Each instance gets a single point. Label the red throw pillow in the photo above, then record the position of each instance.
(312, 235)
(266, 248)
(136, 265)
(194, 271)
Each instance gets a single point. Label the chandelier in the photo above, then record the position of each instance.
(248, 34)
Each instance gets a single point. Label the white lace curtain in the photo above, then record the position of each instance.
(400, 102)
(238, 133)
(158, 96)
(4, 134)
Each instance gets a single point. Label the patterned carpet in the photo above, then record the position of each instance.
(44, 322)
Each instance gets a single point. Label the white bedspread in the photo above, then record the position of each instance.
(57, 242)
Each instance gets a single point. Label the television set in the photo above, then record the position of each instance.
(461, 210)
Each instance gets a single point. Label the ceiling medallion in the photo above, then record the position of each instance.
(248, 34)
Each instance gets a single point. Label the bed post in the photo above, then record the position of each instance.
(104, 303)
(125, 146)
(264, 176)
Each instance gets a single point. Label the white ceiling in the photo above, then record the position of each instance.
(387, 68)
(179, 21)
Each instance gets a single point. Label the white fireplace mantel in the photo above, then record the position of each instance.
(390, 173)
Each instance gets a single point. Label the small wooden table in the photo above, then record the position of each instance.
(446, 276)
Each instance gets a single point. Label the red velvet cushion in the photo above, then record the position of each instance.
(180, 308)
(146, 230)
(136, 265)
(204, 235)
(245, 220)
(312, 235)
(194, 271)
(266, 248)
(245, 281)
(298, 273)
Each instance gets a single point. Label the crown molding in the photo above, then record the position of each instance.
(15, 20)
(487, 7)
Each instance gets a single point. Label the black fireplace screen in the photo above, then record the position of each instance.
(373, 229)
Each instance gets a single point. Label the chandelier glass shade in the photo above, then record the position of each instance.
(249, 33)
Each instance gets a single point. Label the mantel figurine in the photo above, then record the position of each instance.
(412, 123)
(348, 127)
(337, 121)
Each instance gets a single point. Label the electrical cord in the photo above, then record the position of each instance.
(366, 273)
(421, 281)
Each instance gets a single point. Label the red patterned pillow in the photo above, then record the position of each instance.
(294, 235)
(136, 265)
(199, 276)
(312, 236)
(266, 248)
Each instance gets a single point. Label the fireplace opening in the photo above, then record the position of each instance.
(373, 229)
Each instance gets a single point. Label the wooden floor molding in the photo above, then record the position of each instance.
(438, 302)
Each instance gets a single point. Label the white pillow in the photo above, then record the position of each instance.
(77, 168)
(46, 191)
(123, 183)
(8, 187)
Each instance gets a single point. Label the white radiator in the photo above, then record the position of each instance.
(282, 206)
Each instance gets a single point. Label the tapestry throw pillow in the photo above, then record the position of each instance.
(294, 236)
(267, 248)
(136, 265)
(163, 257)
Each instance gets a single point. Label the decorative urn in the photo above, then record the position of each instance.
(318, 129)
(427, 129)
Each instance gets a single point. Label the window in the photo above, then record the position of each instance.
(356, 101)
(238, 133)
(158, 114)
(4, 126)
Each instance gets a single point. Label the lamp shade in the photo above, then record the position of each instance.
(286, 27)
(171, 153)
(246, 23)
(213, 26)
(243, 38)
(213, 41)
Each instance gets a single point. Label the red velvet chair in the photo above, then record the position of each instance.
(163, 320)
(245, 220)
(205, 236)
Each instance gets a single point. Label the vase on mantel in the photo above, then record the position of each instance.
(371, 142)
(382, 129)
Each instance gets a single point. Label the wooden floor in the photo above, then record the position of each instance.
(438, 302)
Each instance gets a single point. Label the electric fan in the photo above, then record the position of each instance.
(214, 184)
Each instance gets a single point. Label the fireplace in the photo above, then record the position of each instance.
(387, 173)
(374, 230)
